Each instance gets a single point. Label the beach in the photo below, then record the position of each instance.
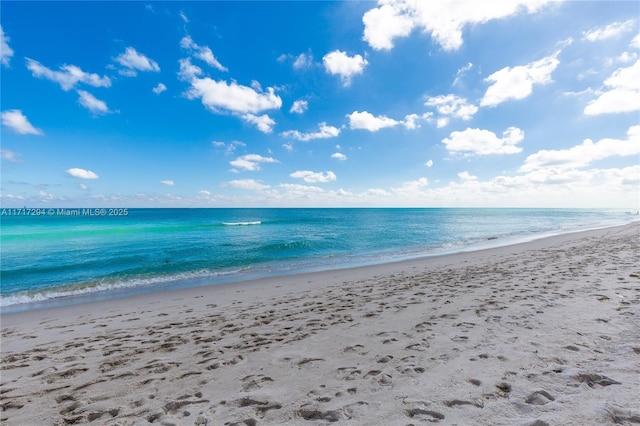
(540, 333)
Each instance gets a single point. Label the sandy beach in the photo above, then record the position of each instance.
(540, 333)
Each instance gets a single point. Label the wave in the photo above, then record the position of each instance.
(255, 222)
(97, 287)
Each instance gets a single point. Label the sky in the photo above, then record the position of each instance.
(520, 103)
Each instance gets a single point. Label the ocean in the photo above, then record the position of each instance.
(65, 256)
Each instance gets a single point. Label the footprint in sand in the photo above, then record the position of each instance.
(541, 397)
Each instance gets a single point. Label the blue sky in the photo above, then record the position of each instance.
(526, 103)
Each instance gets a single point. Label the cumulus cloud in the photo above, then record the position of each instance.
(159, 88)
(263, 122)
(517, 82)
(248, 184)
(465, 176)
(429, 163)
(68, 77)
(623, 93)
(203, 53)
(91, 103)
(251, 162)
(636, 42)
(444, 20)
(16, 121)
(367, 121)
(324, 131)
(339, 156)
(610, 31)
(585, 153)
(6, 52)
(484, 142)
(299, 106)
(167, 182)
(411, 121)
(314, 177)
(339, 63)
(451, 106)
(134, 61)
(220, 96)
(82, 173)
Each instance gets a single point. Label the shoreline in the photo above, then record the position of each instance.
(125, 292)
(546, 331)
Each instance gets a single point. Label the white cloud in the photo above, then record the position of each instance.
(465, 176)
(288, 147)
(16, 121)
(367, 121)
(93, 104)
(412, 189)
(324, 132)
(623, 58)
(230, 148)
(303, 61)
(461, 73)
(635, 42)
(298, 190)
(220, 96)
(203, 53)
(429, 163)
(585, 153)
(411, 120)
(11, 156)
(184, 17)
(68, 77)
(299, 106)
(188, 71)
(167, 182)
(610, 31)
(82, 173)
(386, 22)
(623, 95)
(451, 106)
(314, 177)
(159, 88)
(339, 156)
(248, 184)
(6, 52)
(263, 122)
(444, 20)
(377, 192)
(484, 142)
(135, 61)
(339, 63)
(517, 82)
(251, 162)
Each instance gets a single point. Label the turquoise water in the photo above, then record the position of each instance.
(85, 255)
